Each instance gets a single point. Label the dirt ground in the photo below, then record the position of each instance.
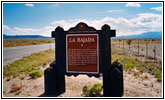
(133, 86)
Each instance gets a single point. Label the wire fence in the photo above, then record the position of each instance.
(150, 48)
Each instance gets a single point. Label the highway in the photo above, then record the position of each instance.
(11, 54)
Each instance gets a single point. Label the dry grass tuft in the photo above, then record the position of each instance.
(15, 87)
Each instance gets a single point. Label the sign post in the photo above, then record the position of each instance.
(84, 50)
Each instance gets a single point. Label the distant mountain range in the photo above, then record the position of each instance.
(142, 36)
(24, 36)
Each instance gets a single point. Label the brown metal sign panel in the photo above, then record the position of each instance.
(82, 53)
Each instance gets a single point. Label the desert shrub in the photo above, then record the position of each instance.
(22, 77)
(135, 74)
(129, 65)
(43, 63)
(17, 93)
(131, 60)
(159, 79)
(49, 41)
(36, 73)
(85, 91)
(116, 58)
(160, 67)
(8, 79)
(145, 84)
(141, 69)
(145, 77)
(15, 87)
(34, 43)
(157, 75)
(145, 61)
(94, 91)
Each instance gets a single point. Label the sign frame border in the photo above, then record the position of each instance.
(79, 72)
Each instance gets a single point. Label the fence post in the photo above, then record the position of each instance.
(154, 54)
(119, 42)
(123, 44)
(146, 48)
(138, 46)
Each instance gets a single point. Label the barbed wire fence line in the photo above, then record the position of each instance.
(152, 51)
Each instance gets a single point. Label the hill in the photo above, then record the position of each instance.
(147, 35)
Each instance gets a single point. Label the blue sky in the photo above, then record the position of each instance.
(42, 18)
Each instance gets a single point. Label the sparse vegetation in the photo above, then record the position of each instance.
(36, 73)
(135, 74)
(25, 42)
(160, 67)
(22, 77)
(158, 75)
(8, 79)
(142, 66)
(29, 65)
(136, 65)
(15, 87)
(34, 43)
(17, 93)
(94, 91)
(137, 59)
(145, 77)
(142, 49)
(145, 84)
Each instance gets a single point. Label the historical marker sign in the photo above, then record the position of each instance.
(82, 53)
(84, 50)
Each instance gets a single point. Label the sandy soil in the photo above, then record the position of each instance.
(133, 86)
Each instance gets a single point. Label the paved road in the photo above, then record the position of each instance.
(11, 54)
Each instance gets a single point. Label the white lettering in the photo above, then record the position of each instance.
(83, 40)
(72, 40)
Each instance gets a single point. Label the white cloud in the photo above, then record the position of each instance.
(133, 5)
(148, 20)
(48, 27)
(5, 27)
(25, 30)
(55, 5)
(111, 11)
(21, 31)
(29, 4)
(144, 22)
(157, 8)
